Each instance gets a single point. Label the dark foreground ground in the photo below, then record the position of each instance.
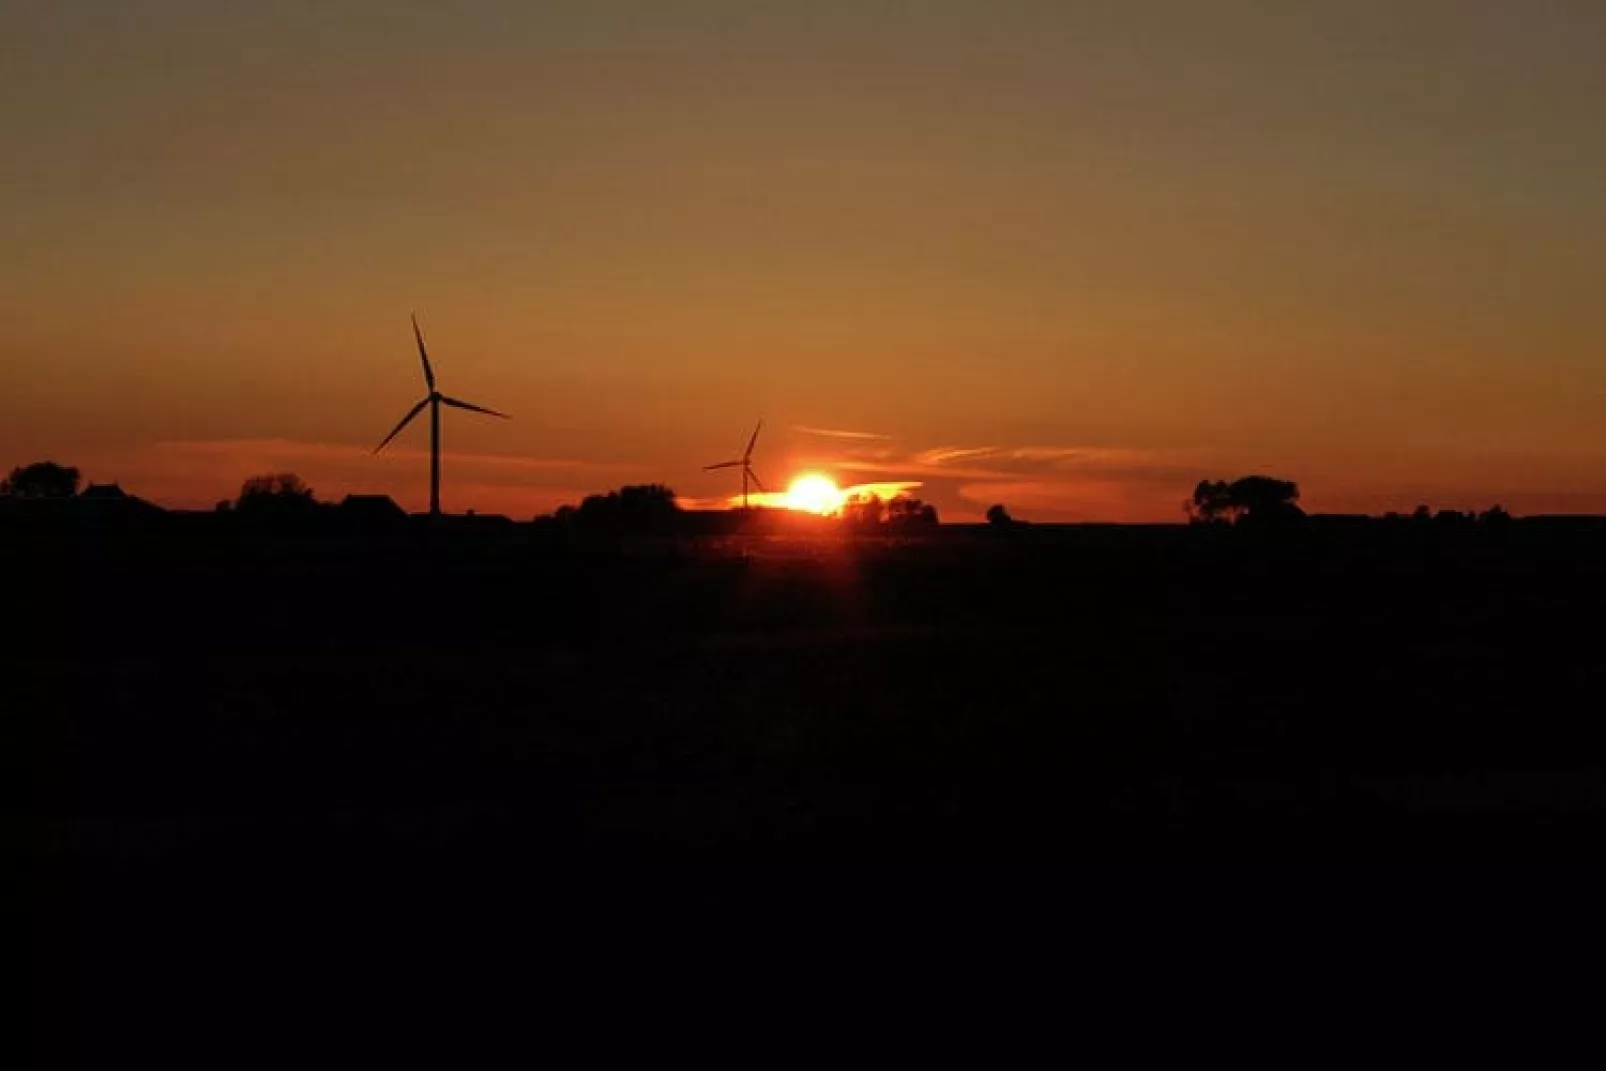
(332, 778)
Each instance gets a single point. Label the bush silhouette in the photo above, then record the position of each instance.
(871, 513)
(633, 508)
(905, 512)
(42, 479)
(998, 517)
(863, 511)
(1253, 499)
(277, 494)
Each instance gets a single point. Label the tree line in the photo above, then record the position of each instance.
(656, 507)
(1267, 500)
(1250, 500)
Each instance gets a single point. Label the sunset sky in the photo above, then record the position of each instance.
(1072, 257)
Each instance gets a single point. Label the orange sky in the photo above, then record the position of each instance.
(1068, 257)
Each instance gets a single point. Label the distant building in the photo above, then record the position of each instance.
(375, 509)
(105, 492)
(111, 500)
(97, 502)
(478, 520)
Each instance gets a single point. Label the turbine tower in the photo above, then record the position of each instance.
(745, 463)
(434, 400)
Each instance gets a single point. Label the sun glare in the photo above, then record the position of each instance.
(813, 493)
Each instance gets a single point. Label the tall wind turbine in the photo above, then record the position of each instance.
(745, 463)
(434, 400)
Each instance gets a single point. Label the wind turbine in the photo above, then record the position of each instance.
(745, 463)
(434, 400)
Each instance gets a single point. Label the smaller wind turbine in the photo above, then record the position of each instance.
(745, 463)
(434, 400)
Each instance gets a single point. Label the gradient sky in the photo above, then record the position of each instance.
(1069, 256)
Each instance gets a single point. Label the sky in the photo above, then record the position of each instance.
(1071, 257)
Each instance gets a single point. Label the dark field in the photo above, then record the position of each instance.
(308, 764)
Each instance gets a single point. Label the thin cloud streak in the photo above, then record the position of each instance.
(1058, 456)
(1134, 466)
(838, 433)
(942, 455)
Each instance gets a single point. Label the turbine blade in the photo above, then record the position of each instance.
(721, 465)
(406, 420)
(455, 404)
(751, 442)
(751, 475)
(429, 373)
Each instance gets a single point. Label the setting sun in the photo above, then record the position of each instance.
(814, 493)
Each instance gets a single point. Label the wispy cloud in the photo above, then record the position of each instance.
(947, 455)
(1064, 457)
(838, 433)
(901, 465)
(1073, 456)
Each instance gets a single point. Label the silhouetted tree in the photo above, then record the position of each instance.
(42, 479)
(277, 494)
(1495, 517)
(1255, 499)
(648, 501)
(1210, 504)
(871, 513)
(999, 517)
(635, 508)
(906, 512)
(1264, 498)
(863, 512)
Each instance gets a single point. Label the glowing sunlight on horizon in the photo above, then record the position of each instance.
(814, 493)
(819, 494)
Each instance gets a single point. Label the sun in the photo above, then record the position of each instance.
(813, 493)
